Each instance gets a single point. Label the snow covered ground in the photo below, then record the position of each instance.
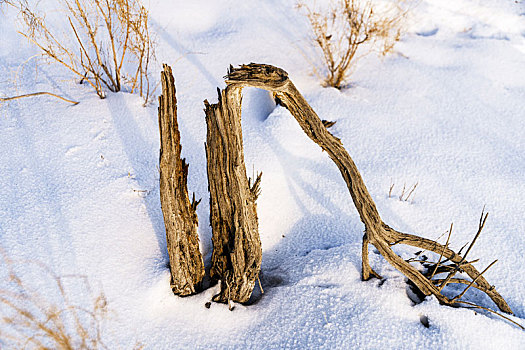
(446, 111)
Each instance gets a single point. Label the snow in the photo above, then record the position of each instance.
(80, 192)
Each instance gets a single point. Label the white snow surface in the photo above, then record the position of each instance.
(446, 111)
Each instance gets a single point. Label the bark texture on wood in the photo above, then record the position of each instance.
(376, 231)
(180, 218)
(237, 253)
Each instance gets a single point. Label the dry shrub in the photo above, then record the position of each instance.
(347, 30)
(39, 313)
(105, 43)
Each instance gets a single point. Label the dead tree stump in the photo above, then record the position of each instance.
(377, 232)
(237, 253)
(180, 218)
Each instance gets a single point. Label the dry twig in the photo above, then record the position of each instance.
(3, 99)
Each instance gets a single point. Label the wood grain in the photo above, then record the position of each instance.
(180, 218)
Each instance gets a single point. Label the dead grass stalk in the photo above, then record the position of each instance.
(38, 318)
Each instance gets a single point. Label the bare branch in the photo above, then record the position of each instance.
(3, 99)
(376, 231)
(473, 281)
(475, 306)
(441, 255)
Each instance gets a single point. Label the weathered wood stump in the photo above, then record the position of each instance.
(180, 218)
(237, 253)
(377, 232)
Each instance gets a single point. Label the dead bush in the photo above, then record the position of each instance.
(44, 320)
(104, 43)
(45, 311)
(346, 30)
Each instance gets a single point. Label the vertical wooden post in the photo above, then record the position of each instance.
(180, 218)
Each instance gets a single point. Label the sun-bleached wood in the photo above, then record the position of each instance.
(180, 218)
(377, 232)
(237, 253)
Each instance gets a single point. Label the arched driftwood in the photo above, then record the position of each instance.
(377, 232)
